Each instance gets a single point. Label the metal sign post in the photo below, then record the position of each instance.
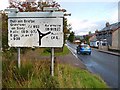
(36, 29)
(18, 57)
(52, 61)
(52, 49)
(15, 11)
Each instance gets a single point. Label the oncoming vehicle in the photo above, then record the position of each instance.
(83, 48)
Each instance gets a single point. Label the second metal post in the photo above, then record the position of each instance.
(18, 57)
(52, 61)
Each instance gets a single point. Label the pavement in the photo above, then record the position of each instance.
(109, 52)
(71, 60)
(65, 59)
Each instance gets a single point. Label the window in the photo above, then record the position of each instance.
(97, 43)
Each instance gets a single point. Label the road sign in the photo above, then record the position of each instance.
(35, 29)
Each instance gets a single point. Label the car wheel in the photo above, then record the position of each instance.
(77, 52)
(90, 53)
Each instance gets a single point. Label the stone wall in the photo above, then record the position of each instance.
(105, 48)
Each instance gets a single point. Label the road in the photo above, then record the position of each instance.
(103, 64)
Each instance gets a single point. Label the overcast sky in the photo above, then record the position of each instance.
(86, 15)
(89, 16)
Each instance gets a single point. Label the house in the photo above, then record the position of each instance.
(116, 39)
(93, 41)
(109, 35)
(87, 37)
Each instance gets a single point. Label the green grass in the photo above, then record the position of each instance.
(76, 78)
(65, 52)
(46, 52)
(36, 74)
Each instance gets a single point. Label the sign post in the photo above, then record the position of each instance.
(52, 49)
(15, 11)
(18, 57)
(36, 29)
(52, 61)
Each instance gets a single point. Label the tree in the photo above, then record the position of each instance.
(90, 33)
(31, 6)
(67, 28)
(87, 39)
(96, 31)
(4, 32)
(71, 37)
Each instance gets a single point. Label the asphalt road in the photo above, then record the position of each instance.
(103, 64)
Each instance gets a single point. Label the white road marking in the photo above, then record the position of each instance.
(71, 49)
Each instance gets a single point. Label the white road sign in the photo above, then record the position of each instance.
(35, 30)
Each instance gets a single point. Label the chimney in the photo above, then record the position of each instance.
(107, 24)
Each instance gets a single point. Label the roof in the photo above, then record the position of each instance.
(77, 41)
(112, 27)
(93, 38)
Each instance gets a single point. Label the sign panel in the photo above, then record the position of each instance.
(35, 31)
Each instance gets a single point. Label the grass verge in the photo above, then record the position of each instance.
(47, 52)
(36, 74)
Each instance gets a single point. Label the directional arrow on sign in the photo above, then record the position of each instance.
(41, 35)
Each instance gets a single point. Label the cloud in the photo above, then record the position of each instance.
(81, 27)
(114, 16)
(3, 4)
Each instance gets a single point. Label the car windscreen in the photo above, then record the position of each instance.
(84, 46)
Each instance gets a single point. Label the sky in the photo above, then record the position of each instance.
(90, 16)
(86, 15)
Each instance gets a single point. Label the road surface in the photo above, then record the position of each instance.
(103, 64)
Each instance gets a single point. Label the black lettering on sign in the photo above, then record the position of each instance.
(29, 21)
(57, 37)
(26, 31)
(58, 29)
(20, 21)
(27, 35)
(54, 37)
(22, 31)
(13, 28)
(16, 38)
(33, 31)
(17, 24)
(10, 35)
(46, 25)
(31, 34)
(15, 35)
(13, 21)
(35, 26)
(19, 28)
(15, 31)
(22, 35)
(47, 29)
(29, 26)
